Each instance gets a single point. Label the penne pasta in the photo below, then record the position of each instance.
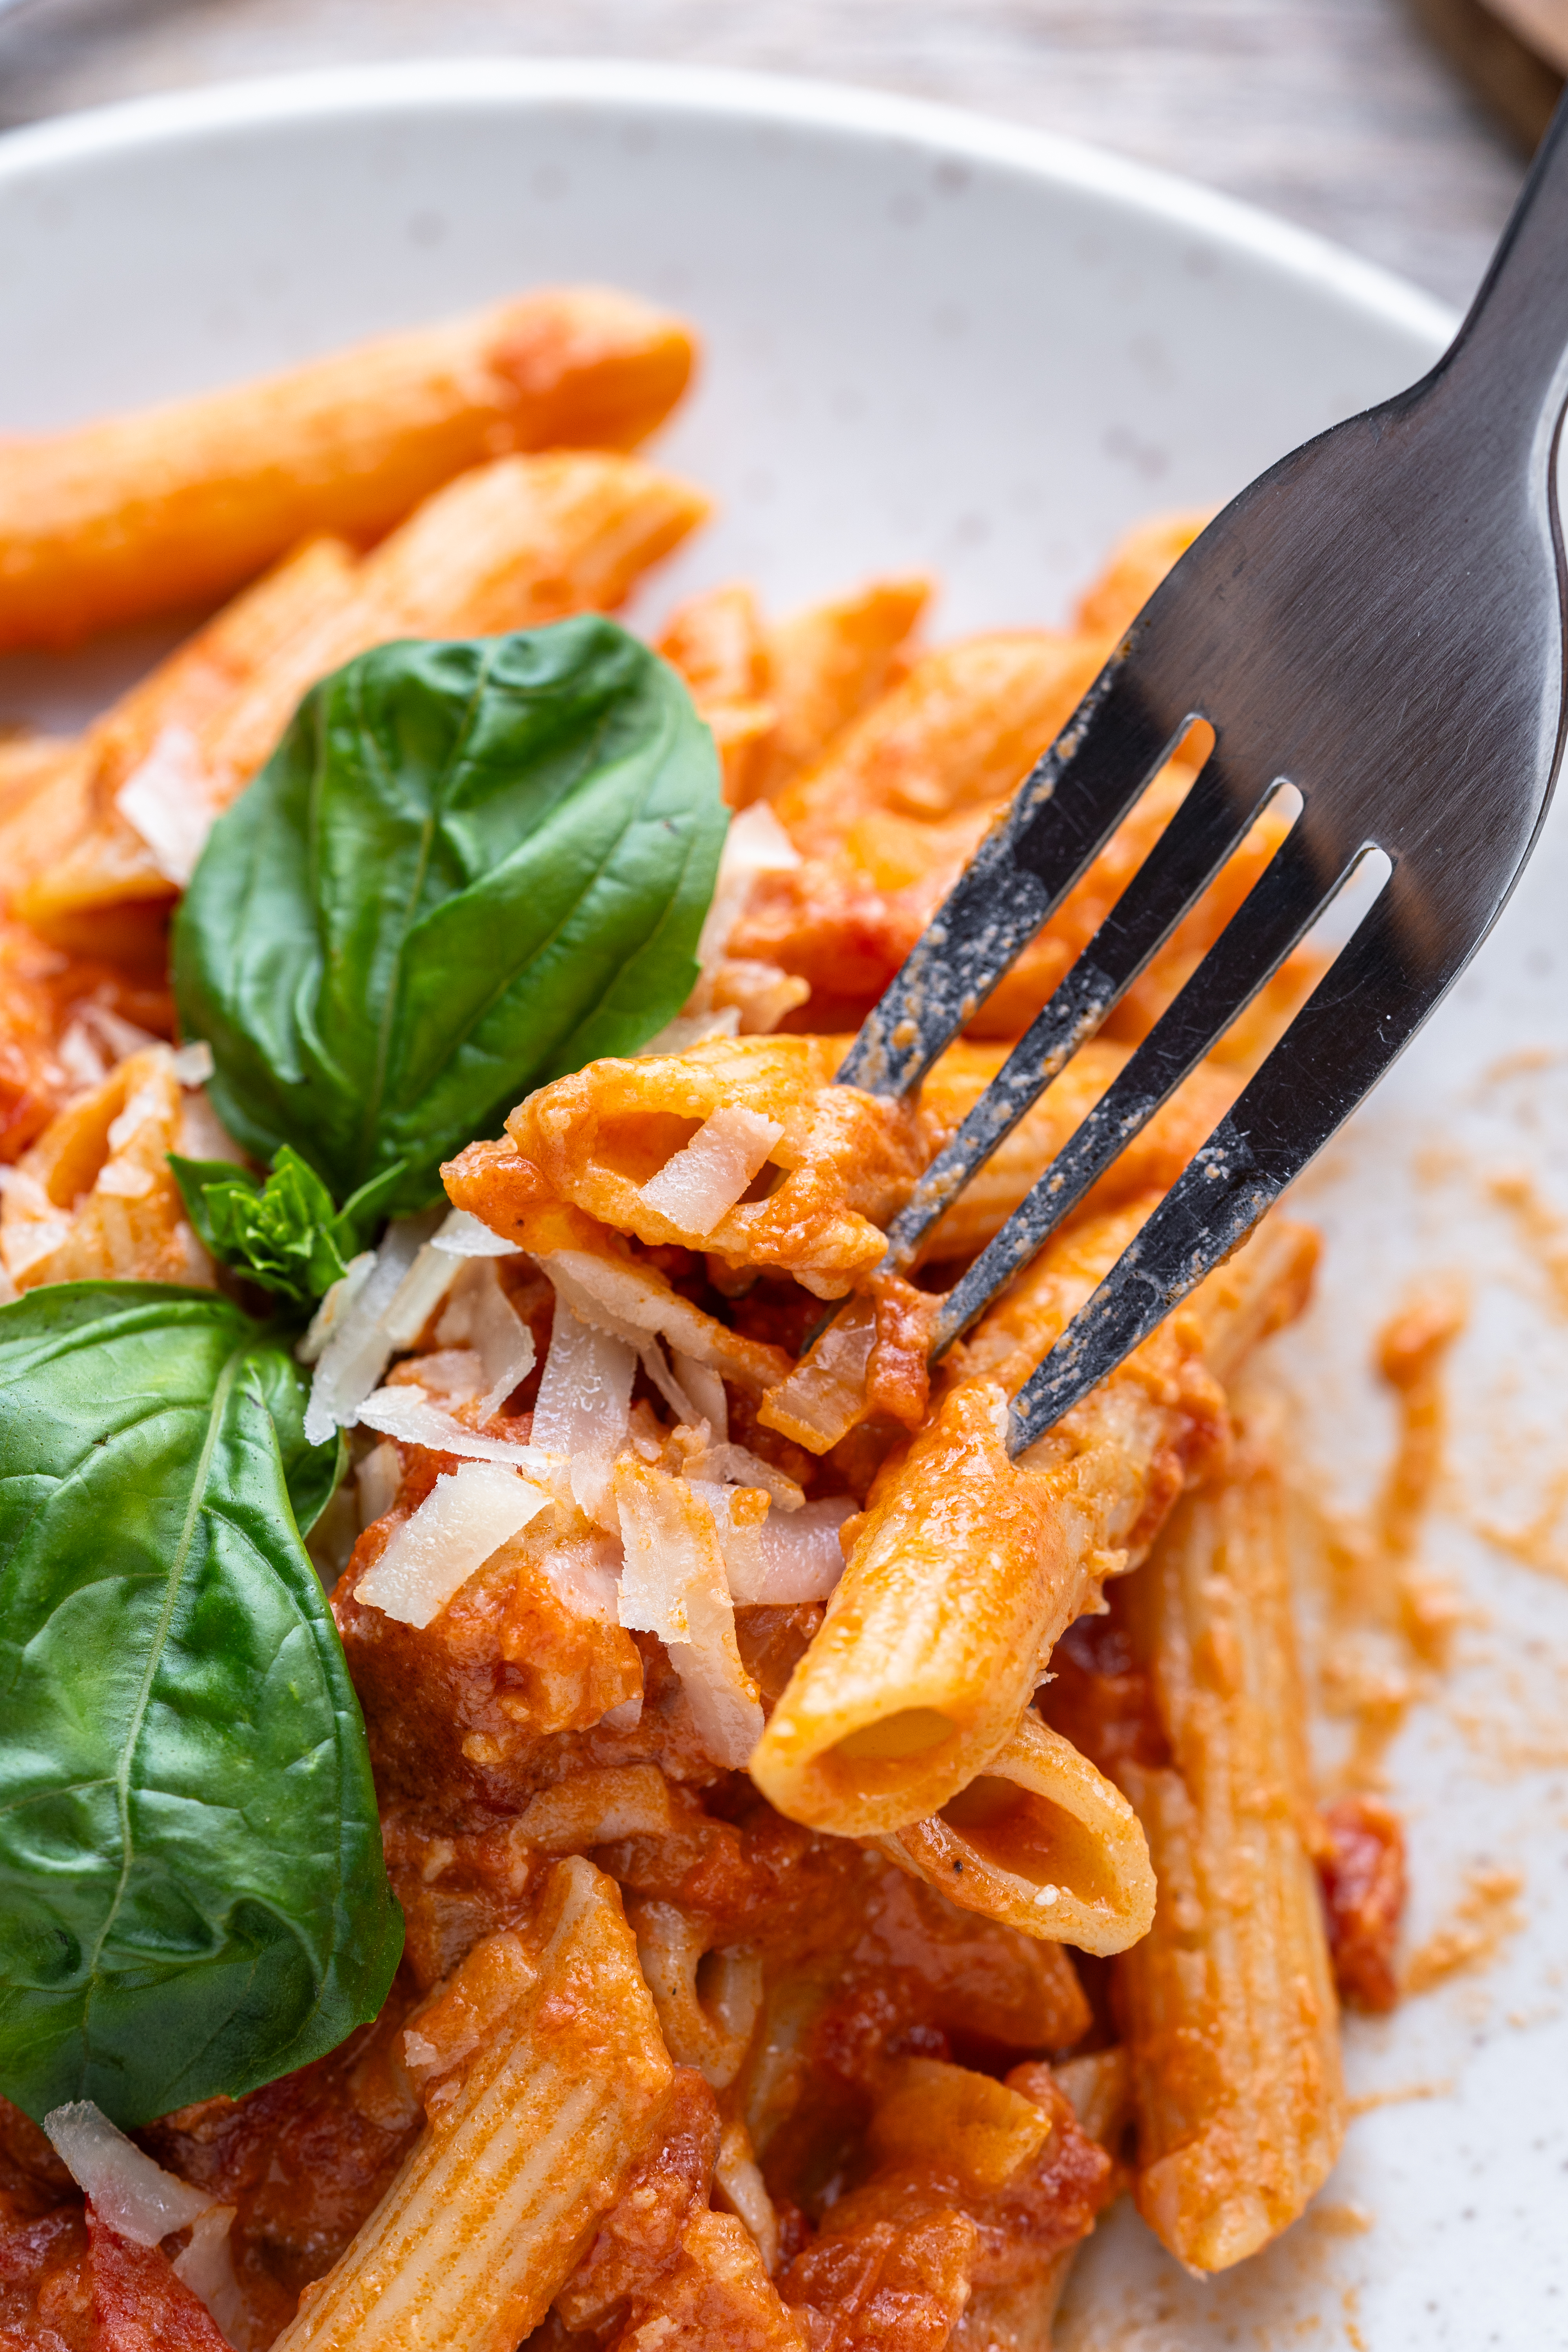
(515, 544)
(1017, 2316)
(842, 1160)
(968, 1567)
(977, 2192)
(953, 736)
(716, 642)
(1227, 2004)
(525, 2145)
(827, 665)
(49, 806)
(776, 699)
(719, 2293)
(65, 1022)
(95, 1199)
(849, 915)
(196, 683)
(1042, 1841)
(147, 512)
(605, 1284)
(27, 762)
(707, 2024)
(72, 828)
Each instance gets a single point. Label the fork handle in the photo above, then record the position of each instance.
(1509, 363)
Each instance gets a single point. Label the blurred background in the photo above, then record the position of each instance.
(1399, 127)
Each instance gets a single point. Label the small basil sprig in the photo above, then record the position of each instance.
(469, 867)
(191, 1893)
(285, 1233)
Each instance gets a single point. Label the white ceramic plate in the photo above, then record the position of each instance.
(936, 340)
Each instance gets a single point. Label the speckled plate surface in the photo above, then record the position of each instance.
(934, 340)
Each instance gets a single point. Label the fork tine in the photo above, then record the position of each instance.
(1362, 1013)
(1277, 912)
(1207, 826)
(1061, 818)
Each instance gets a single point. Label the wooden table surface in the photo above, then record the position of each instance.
(1335, 112)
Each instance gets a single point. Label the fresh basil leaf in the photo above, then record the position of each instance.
(284, 1233)
(192, 1893)
(469, 867)
(196, 1179)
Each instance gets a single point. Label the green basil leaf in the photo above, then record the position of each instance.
(469, 867)
(284, 1233)
(196, 1179)
(192, 1893)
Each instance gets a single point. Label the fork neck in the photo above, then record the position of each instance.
(1510, 360)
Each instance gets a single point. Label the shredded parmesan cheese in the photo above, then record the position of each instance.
(467, 1515)
(193, 1065)
(824, 1395)
(674, 1584)
(635, 1307)
(756, 844)
(206, 2267)
(407, 1413)
(703, 1385)
(702, 1184)
(170, 801)
(352, 1340)
(585, 1571)
(465, 1236)
(417, 1295)
(480, 1315)
(583, 1406)
(130, 2193)
(802, 1557)
(378, 1477)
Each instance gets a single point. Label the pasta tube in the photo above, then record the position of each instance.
(95, 1199)
(827, 664)
(146, 512)
(1228, 2003)
(45, 807)
(195, 684)
(718, 2293)
(776, 699)
(64, 793)
(525, 2147)
(667, 1147)
(968, 1567)
(951, 740)
(27, 762)
(1042, 1841)
(1016, 2316)
(716, 642)
(512, 545)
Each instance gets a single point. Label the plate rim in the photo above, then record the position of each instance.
(408, 87)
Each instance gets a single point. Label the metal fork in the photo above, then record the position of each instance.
(1378, 620)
